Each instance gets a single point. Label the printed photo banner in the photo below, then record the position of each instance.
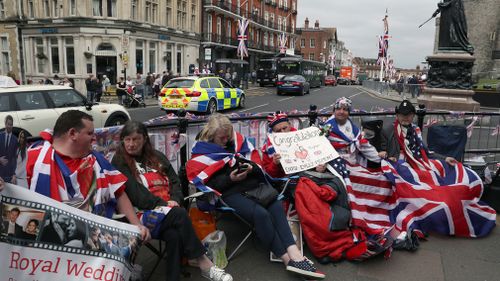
(303, 149)
(42, 239)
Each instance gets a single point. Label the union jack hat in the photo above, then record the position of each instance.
(343, 102)
(276, 117)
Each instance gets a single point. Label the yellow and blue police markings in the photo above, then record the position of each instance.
(176, 98)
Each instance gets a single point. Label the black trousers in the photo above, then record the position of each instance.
(178, 233)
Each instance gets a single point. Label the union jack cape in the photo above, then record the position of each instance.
(52, 178)
(208, 158)
(434, 196)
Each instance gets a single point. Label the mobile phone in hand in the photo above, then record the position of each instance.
(243, 167)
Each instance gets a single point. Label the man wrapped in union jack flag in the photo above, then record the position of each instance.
(64, 167)
(435, 193)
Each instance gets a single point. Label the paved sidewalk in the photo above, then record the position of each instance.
(391, 95)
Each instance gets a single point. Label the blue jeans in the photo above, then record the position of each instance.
(271, 225)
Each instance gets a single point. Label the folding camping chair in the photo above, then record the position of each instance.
(209, 201)
(447, 140)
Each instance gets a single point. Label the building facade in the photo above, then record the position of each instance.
(367, 68)
(318, 44)
(268, 19)
(73, 38)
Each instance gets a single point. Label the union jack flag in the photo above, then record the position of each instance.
(383, 44)
(242, 50)
(496, 131)
(51, 177)
(282, 42)
(434, 196)
(208, 158)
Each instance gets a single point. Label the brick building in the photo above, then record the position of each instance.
(268, 19)
(367, 67)
(316, 43)
(72, 38)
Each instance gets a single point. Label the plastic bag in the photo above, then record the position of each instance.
(215, 243)
(203, 223)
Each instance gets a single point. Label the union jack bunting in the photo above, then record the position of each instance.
(282, 42)
(434, 196)
(52, 178)
(242, 50)
(208, 158)
(496, 131)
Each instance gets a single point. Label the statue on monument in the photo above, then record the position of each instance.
(452, 27)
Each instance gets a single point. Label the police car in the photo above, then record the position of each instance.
(202, 94)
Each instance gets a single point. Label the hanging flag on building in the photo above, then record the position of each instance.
(242, 50)
(282, 42)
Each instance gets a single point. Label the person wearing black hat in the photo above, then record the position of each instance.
(395, 133)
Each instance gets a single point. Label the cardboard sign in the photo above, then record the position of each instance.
(303, 149)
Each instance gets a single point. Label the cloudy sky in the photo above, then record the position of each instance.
(359, 22)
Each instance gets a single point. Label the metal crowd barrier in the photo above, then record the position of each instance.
(403, 89)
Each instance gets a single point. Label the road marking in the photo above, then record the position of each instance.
(356, 94)
(315, 90)
(286, 99)
(262, 105)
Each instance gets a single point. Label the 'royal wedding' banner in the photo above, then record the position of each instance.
(42, 239)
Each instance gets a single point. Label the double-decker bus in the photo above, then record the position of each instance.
(313, 71)
(266, 71)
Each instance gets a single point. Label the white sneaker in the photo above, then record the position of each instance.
(217, 274)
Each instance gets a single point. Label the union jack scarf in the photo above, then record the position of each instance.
(434, 196)
(208, 158)
(52, 178)
(340, 141)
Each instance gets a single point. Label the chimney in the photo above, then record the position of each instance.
(306, 23)
(316, 24)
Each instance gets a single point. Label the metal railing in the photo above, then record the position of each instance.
(402, 89)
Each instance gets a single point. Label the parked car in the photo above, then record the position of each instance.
(35, 108)
(343, 81)
(292, 84)
(330, 80)
(202, 94)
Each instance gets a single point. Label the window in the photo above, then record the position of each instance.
(311, 56)
(111, 8)
(168, 57)
(152, 57)
(181, 14)
(139, 56)
(134, 10)
(324, 44)
(209, 27)
(179, 59)
(225, 84)
(2, 9)
(312, 43)
(214, 83)
(302, 43)
(229, 30)
(168, 14)
(5, 54)
(55, 9)
(46, 8)
(30, 100)
(193, 16)
(70, 55)
(31, 9)
(266, 40)
(219, 26)
(148, 12)
(97, 8)
(271, 40)
(39, 52)
(66, 98)
(5, 103)
(154, 12)
(72, 7)
(279, 23)
(54, 54)
(204, 84)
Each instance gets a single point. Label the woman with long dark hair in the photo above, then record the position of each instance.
(154, 188)
(20, 177)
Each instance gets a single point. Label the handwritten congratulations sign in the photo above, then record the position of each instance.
(302, 150)
(42, 239)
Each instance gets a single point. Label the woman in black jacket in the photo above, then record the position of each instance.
(154, 188)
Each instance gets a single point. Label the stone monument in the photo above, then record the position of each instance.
(449, 81)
